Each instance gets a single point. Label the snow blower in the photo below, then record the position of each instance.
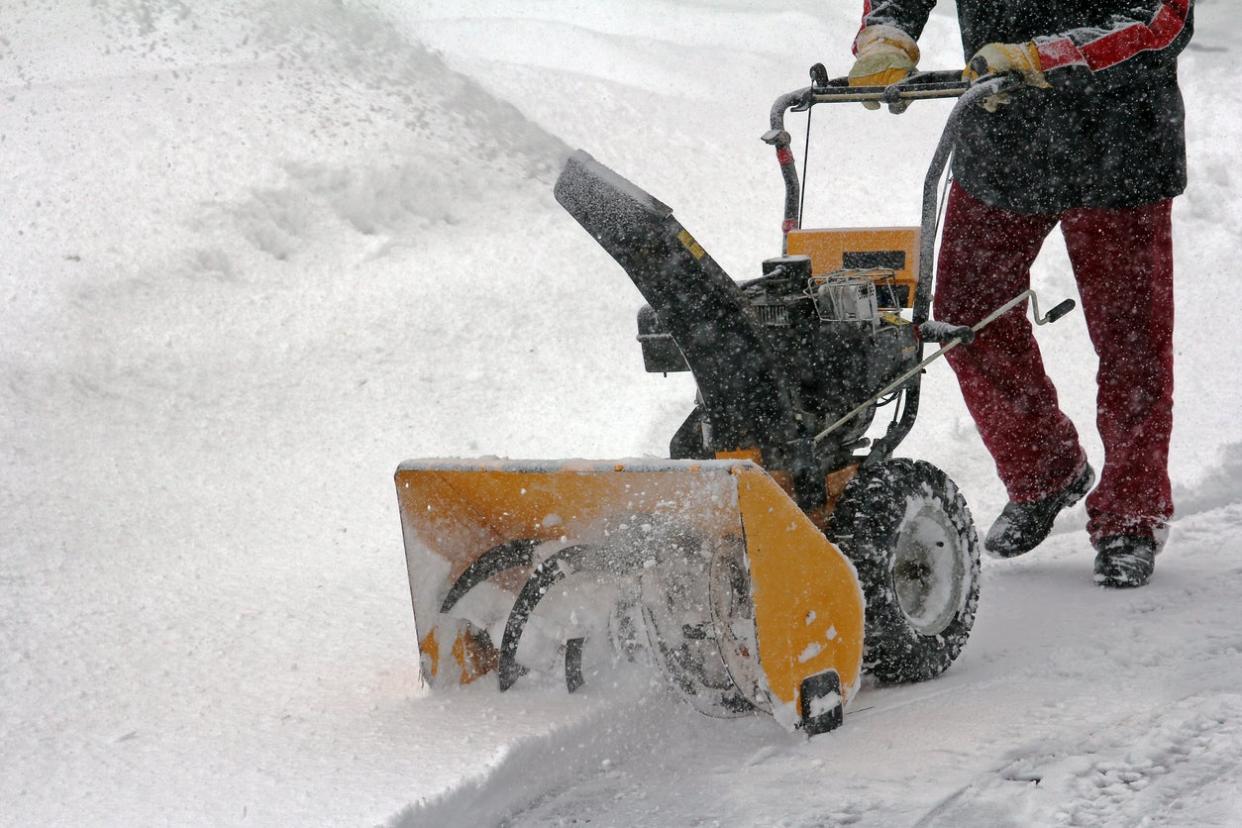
(779, 552)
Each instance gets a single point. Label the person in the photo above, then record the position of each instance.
(1094, 141)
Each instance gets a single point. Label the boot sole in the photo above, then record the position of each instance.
(1129, 575)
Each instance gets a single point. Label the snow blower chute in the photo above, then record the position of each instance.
(780, 551)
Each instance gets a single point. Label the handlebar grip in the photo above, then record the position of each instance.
(934, 330)
(1060, 310)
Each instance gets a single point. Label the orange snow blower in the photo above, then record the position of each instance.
(780, 551)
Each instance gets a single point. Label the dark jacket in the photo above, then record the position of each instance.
(1110, 133)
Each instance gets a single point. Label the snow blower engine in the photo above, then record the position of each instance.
(780, 551)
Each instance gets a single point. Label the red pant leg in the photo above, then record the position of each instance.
(1123, 260)
(985, 260)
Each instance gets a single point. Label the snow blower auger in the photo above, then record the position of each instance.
(779, 552)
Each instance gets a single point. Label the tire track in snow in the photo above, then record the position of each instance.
(1177, 765)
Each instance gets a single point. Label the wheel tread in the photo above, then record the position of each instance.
(864, 525)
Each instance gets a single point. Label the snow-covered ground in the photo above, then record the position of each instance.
(258, 251)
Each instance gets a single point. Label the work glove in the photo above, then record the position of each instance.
(1006, 59)
(884, 55)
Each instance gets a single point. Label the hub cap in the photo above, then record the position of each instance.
(929, 573)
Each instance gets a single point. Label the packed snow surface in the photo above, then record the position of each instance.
(257, 252)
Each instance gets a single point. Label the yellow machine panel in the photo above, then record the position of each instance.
(804, 594)
(866, 248)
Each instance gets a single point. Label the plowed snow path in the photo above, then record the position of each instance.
(1071, 706)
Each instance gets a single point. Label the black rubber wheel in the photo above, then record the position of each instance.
(906, 527)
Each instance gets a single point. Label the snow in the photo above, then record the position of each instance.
(259, 252)
(825, 704)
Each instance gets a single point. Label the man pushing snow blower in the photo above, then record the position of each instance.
(782, 549)
(1094, 141)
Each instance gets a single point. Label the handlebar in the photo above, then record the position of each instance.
(919, 86)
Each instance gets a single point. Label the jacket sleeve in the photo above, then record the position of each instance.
(908, 15)
(1158, 29)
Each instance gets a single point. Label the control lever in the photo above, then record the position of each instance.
(951, 336)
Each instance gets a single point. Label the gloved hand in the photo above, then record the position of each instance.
(1006, 59)
(885, 55)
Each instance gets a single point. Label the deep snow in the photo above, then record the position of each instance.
(257, 252)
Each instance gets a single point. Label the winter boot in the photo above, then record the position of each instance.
(1123, 561)
(1023, 526)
